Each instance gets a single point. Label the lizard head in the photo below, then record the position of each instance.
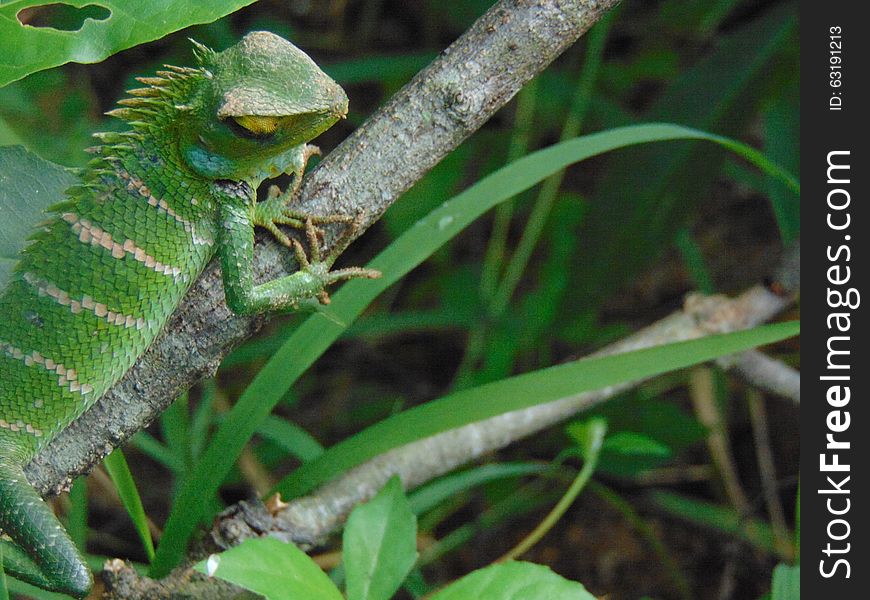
(253, 102)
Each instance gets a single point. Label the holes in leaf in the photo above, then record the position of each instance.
(61, 16)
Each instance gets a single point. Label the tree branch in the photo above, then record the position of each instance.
(428, 118)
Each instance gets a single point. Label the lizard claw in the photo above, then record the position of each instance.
(320, 266)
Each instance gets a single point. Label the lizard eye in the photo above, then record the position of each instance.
(254, 126)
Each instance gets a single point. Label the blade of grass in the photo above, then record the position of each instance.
(797, 526)
(693, 259)
(77, 518)
(519, 260)
(202, 417)
(494, 255)
(498, 294)
(782, 134)
(25, 590)
(429, 496)
(291, 437)
(644, 196)
(527, 498)
(148, 445)
(119, 471)
(174, 424)
(319, 331)
(720, 518)
(516, 393)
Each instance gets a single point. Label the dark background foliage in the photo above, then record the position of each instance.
(622, 239)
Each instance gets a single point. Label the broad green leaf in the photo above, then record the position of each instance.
(628, 453)
(514, 581)
(380, 545)
(666, 422)
(318, 332)
(28, 184)
(786, 582)
(516, 393)
(271, 568)
(116, 465)
(128, 24)
(8, 137)
(629, 442)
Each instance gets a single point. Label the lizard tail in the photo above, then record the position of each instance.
(41, 553)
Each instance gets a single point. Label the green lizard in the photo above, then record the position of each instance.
(99, 280)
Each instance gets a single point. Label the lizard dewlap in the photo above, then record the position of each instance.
(98, 281)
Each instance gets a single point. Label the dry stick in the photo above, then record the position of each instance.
(767, 468)
(428, 118)
(703, 393)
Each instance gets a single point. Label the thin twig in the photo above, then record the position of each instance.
(767, 468)
(703, 394)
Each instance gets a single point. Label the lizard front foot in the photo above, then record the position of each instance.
(274, 211)
(319, 266)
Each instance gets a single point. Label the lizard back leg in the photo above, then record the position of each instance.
(41, 553)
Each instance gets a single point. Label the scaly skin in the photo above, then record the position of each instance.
(101, 278)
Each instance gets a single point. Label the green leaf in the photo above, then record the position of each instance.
(319, 331)
(116, 465)
(270, 567)
(786, 582)
(380, 545)
(28, 184)
(628, 453)
(129, 24)
(589, 435)
(631, 443)
(662, 420)
(514, 581)
(516, 393)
